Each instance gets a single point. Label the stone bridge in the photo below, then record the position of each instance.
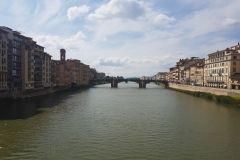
(114, 82)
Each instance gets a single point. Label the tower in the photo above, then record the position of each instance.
(62, 55)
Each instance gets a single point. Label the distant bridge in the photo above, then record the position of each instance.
(114, 82)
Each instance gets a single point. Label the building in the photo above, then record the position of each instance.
(101, 75)
(74, 66)
(173, 74)
(61, 75)
(42, 67)
(162, 76)
(222, 68)
(3, 59)
(184, 69)
(69, 72)
(196, 73)
(24, 64)
(93, 73)
(85, 74)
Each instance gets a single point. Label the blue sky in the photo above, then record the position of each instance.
(126, 37)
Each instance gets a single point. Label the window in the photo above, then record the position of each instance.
(227, 57)
(234, 69)
(234, 57)
(234, 63)
(14, 72)
(222, 64)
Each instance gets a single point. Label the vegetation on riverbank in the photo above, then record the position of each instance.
(161, 84)
(98, 83)
(209, 96)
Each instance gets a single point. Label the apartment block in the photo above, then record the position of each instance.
(162, 76)
(85, 74)
(3, 59)
(74, 66)
(93, 73)
(101, 75)
(24, 64)
(69, 72)
(42, 67)
(222, 68)
(196, 73)
(185, 69)
(61, 75)
(173, 74)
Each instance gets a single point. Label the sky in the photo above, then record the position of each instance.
(130, 38)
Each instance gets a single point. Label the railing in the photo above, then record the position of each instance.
(37, 70)
(235, 77)
(37, 64)
(3, 46)
(19, 39)
(37, 57)
(213, 81)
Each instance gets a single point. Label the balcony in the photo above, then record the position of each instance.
(220, 73)
(37, 70)
(4, 46)
(236, 78)
(37, 57)
(18, 39)
(37, 79)
(27, 43)
(16, 79)
(16, 67)
(16, 60)
(37, 64)
(213, 81)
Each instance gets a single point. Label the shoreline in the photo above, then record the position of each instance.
(20, 96)
(220, 98)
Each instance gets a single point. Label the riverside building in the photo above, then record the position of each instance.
(188, 70)
(222, 68)
(69, 72)
(24, 64)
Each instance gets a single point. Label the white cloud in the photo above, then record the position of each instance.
(132, 67)
(47, 11)
(230, 22)
(127, 61)
(105, 39)
(75, 12)
(79, 35)
(73, 44)
(122, 9)
(163, 19)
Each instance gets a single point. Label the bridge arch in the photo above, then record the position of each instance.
(142, 83)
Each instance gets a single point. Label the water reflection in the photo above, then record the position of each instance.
(26, 108)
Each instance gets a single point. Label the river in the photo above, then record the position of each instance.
(119, 123)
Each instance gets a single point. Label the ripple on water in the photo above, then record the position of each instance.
(124, 123)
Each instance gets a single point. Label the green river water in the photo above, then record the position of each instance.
(119, 123)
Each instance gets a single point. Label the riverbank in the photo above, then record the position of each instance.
(11, 95)
(224, 96)
(98, 83)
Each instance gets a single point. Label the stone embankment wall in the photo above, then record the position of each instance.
(31, 93)
(34, 93)
(216, 91)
